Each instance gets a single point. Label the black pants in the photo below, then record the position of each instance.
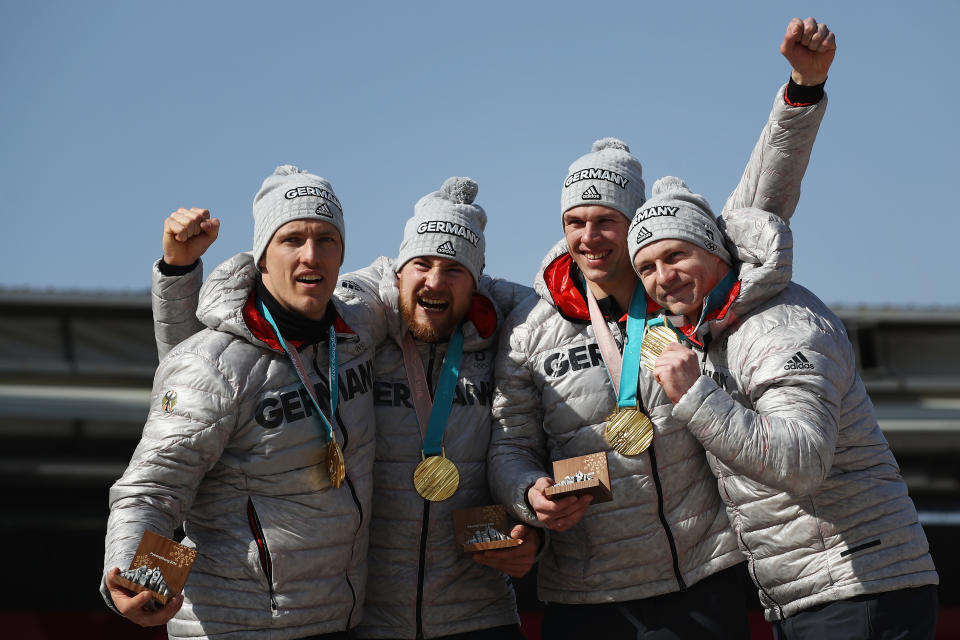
(713, 609)
(336, 635)
(907, 614)
(509, 632)
(506, 632)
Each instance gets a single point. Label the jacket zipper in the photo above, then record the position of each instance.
(430, 364)
(753, 572)
(675, 558)
(266, 563)
(663, 521)
(356, 501)
(353, 492)
(425, 524)
(421, 571)
(704, 350)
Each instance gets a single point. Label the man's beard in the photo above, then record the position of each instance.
(423, 331)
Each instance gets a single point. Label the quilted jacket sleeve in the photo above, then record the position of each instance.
(361, 289)
(506, 294)
(174, 300)
(771, 180)
(192, 415)
(787, 436)
(517, 456)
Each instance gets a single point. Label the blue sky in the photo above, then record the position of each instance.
(116, 113)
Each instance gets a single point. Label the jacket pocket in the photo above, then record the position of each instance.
(266, 562)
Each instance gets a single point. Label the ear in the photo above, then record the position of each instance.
(398, 269)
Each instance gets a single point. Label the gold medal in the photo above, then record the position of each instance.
(336, 469)
(436, 478)
(655, 340)
(629, 431)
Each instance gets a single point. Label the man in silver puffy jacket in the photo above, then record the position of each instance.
(233, 448)
(420, 583)
(657, 560)
(767, 383)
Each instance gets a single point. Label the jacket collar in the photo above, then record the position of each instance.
(262, 331)
(761, 245)
(556, 284)
(228, 304)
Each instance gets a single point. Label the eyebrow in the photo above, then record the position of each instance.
(304, 233)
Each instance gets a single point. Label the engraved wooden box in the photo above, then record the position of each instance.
(174, 561)
(597, 485)
(473, 528)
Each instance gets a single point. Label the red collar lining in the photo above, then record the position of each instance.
(566, 295)
(262, 330)
(483, 315)
(720, 313)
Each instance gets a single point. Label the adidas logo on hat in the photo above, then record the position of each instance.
(323, 210)
(447, 249)
(643, 234)
(798, 361)
(591, 194)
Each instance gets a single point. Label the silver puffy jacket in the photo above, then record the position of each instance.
(419, 582)
(666, 527)
(811, 486)
(238, 460)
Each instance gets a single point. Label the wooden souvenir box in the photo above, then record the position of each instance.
(174, 561)
(472, 528)
(598, 485)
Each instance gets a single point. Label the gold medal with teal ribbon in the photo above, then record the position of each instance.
(628, 429)
(436, 477)
(658, 335)
(336, 467)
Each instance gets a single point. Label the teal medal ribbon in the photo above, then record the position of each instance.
(443, 400)
(435, 478)
(666, 332)
(628, 429)
(335, 463)
(302, 373)
(636, 327)
(718, 295)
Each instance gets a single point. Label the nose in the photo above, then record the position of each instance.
(433, 279)
(310, 253)
(590, 230)
(665, 272)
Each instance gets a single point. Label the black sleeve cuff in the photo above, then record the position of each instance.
(174, 270)
(798, 95)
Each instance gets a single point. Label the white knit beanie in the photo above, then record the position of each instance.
(447, 224)
(291, 194)
(676, 213)
(609, 176)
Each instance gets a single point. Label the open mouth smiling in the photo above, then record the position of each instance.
(596, 256)
(432, 304)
